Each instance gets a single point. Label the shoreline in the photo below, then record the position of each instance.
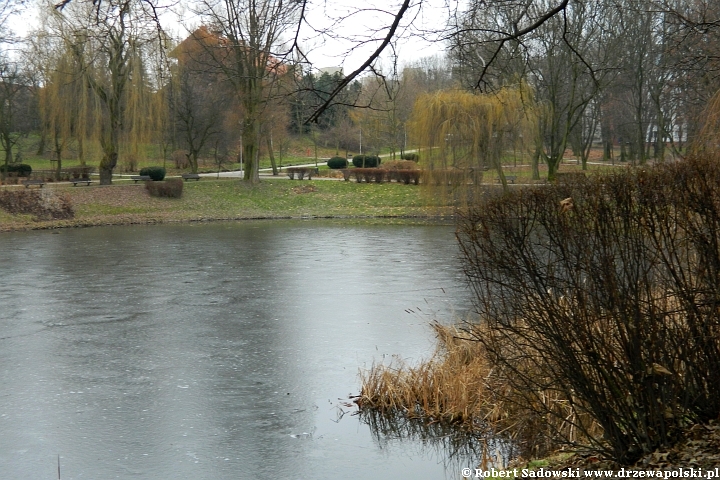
(225, 200)
(65, 224)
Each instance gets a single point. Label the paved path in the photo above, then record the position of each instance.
(266, 172)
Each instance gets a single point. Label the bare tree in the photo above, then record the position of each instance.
(12, 91)
(247, 51)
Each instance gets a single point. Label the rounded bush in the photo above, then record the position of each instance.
(410, 156)
(155, 173)
(22, 169)
(337, 162)
(370, 161)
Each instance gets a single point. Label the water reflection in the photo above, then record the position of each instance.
(457, 447)
(214, 351)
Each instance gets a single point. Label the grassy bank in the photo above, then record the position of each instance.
(229, 199)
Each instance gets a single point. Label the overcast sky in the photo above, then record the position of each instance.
(350, 25)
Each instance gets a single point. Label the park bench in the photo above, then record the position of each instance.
(300, 172)
(30, 182)
(75, 181)
(140, 178)
(508, 178)
(190, 176)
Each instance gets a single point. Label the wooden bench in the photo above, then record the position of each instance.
(190, 176)
(140, 178)
(508, 178)
(75, 181)
(301, 172)
(28, 183)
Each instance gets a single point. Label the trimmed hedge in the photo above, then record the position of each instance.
(22, 169)
(337, 163)
(366, 161)
(170, 188)
(410, 156)
(156, 174)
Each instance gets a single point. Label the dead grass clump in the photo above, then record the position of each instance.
(454, 385)
(304, 189)
(41, 204)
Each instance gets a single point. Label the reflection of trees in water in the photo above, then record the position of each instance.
(455, 446)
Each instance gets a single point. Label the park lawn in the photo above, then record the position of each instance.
(231, 199)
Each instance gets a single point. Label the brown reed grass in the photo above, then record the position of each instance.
(450, 386)
(458, 385)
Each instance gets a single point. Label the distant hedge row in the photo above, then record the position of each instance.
(155, 173)
(21, 169)
(366, 161)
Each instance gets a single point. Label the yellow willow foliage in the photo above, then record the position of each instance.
(66, 108)
(707, 141)
(461, 134)
(145, 111)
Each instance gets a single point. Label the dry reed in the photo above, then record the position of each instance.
(459, 386)
(451, 386)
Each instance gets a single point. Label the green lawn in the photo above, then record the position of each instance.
(210, 199)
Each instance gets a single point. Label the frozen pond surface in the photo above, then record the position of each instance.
(218, 351)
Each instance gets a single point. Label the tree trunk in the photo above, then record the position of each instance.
(41, 143)
(8, 149)
(58, 155)
(272, 155)
(553, 164)
(535, 162)
(193, 160)
(109, 159)
(250, 151)
(81, 151)
(607, 151)
(107, 165)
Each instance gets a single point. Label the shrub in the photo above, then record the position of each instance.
(405, 176)
(410, 156)
(603, 294)
(21, 169)
(404, 171)
(156, 174)
(180, 159)
(369, 174)
(170, 188)
(42, 204)
(337, 162)
(78, 172)
(130, 163)
(366, 161)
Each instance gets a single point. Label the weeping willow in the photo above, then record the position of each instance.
(111, 45)
(462, 134)
(145, 112)
(66, 108)
(707, 141)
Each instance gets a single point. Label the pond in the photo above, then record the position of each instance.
(215, 351)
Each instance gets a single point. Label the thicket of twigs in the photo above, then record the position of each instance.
(605, 292)
(599, 314)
